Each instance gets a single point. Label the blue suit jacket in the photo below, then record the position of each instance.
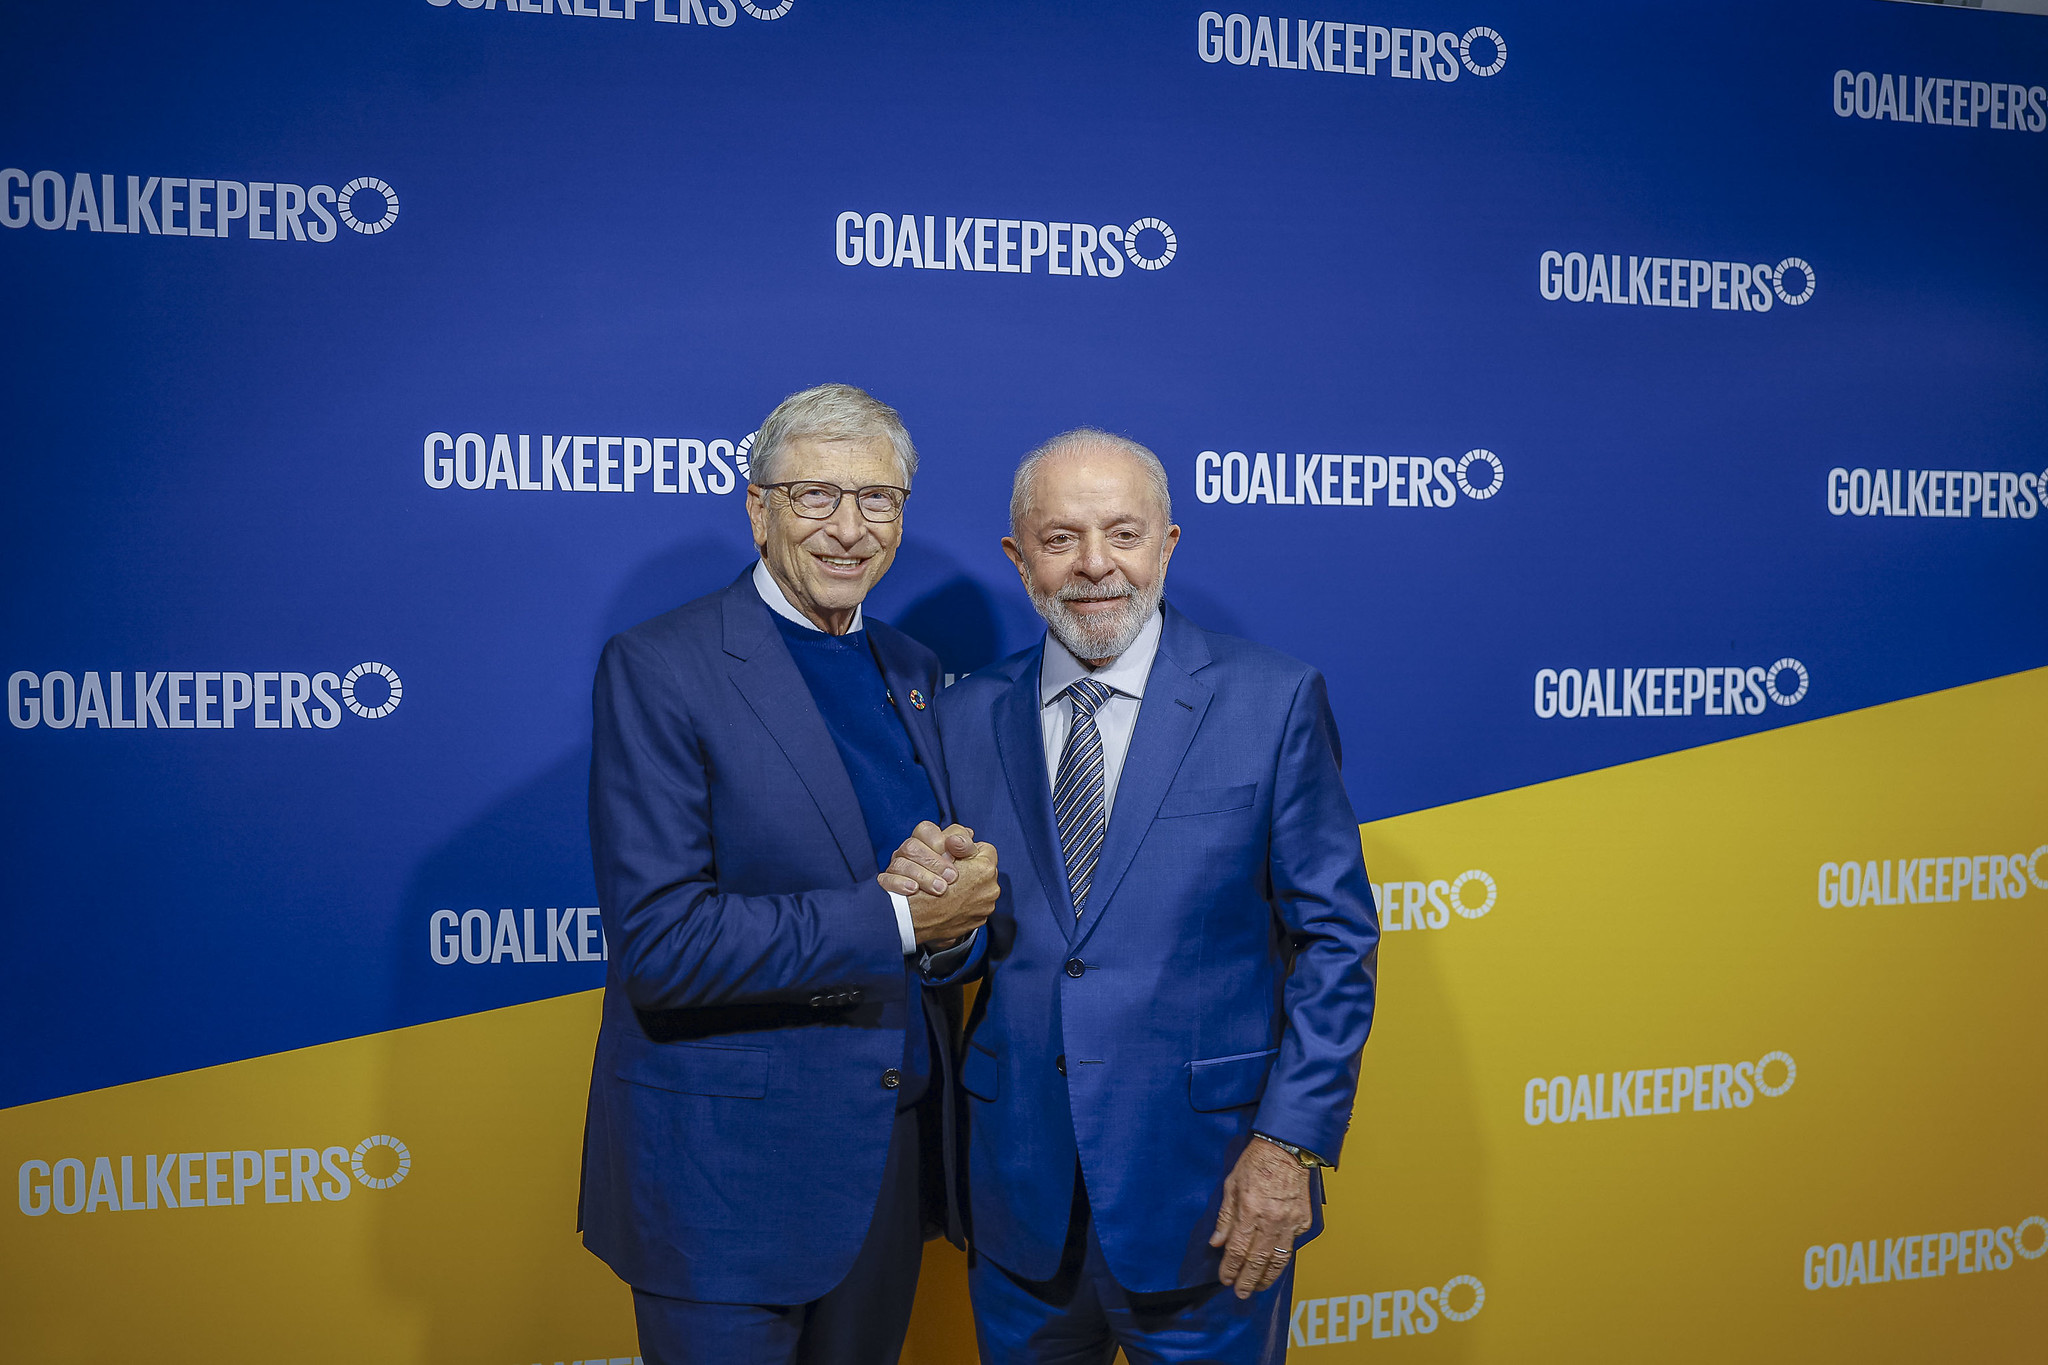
(1222, 979)
(756, 992)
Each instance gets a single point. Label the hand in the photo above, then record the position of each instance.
(1265, 1207)
(924, 861)
(940, 919)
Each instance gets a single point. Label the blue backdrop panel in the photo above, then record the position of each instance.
(547, 227)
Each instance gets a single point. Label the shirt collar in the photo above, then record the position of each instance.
(1126, 673)
(778, 601)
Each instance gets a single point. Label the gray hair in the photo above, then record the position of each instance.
(829, 412)
(1024, 488)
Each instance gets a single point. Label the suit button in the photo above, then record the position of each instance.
(1060, 1063)
(817, 1002)
(853, 997)
(1075, 966)
(891, 1078)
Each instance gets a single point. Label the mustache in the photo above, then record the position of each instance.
(1100, 592)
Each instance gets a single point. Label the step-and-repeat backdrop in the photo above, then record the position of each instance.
(1637, 412)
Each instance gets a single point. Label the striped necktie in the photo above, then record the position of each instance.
(1077, 795)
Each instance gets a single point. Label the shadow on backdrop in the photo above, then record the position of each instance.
(530, 847)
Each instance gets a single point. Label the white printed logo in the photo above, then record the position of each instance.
(1660, 1090)
(570, 934)
(1006, 246)
(619, 464)
(395, 691)
(200, 700)
(195, 1180)
(1570, 693)
(1946, 103)
(1925, 881)
(1993, 494)
(349, 204)
(1471, 894)
(1925, 1256)
(716, 13)
(1673, 282)
(183, 206)
(1325, 480)
(1389, 1313)
(1284, 44)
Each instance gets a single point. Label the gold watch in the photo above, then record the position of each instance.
(1307, 1159)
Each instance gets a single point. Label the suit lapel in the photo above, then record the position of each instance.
(771, 686)
(917, 720)
(1175, 702)
(1021, 741)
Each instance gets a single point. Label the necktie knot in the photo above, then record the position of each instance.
(1088, 696)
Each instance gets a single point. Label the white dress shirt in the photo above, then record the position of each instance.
(778, 602)
(1115, 719)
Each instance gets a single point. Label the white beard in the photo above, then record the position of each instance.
(1099, 636)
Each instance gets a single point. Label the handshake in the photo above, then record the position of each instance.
(949, 880)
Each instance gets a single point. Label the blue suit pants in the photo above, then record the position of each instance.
(861, 1321)
(1082, 1315)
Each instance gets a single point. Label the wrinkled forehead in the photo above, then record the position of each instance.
(849, 463)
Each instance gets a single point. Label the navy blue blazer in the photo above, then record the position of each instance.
(755, 997)
(1222, 979)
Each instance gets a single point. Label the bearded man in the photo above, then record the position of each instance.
(1179, 976)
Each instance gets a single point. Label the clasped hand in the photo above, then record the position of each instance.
(949, 881)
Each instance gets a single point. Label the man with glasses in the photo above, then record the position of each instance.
(764, 1151)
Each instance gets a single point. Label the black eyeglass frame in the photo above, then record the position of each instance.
(902, 496)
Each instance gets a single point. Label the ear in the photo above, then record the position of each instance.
(1016, 554)
(1166, 546)
(757, 514)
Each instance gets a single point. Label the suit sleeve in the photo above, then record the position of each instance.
(1320, 890)
(679, 941)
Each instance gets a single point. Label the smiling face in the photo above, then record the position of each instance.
(827, 567)
(1092, 549)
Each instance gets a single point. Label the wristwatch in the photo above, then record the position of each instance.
(1309, 1160)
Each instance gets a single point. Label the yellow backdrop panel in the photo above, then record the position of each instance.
(1732, 1052)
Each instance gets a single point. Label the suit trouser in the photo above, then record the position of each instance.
(861, 1321)
(1082, 1315)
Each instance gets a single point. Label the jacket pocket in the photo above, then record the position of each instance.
(1229, 1082)
(697, 1069)
(980, 1073)
(1206, 800)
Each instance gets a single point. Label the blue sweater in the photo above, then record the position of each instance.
(891, 784)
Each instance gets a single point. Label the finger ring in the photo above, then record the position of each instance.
(1283, 1251)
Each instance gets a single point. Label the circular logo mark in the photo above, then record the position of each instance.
(740, 455)
(348, 691)
(766, 11)
(2034, 867)
(1458, 888)
(1150, 262)
(1480, 492)
(1771, 681)
(381, 1182)
(1784, 267)
(346, 205)
(1443, 1299)
(1791, 1074)
(1500, 59)
(2019, 1237)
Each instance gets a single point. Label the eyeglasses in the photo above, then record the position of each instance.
(878, 502)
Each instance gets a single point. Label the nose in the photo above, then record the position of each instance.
(847, 525)
(1094, 563)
